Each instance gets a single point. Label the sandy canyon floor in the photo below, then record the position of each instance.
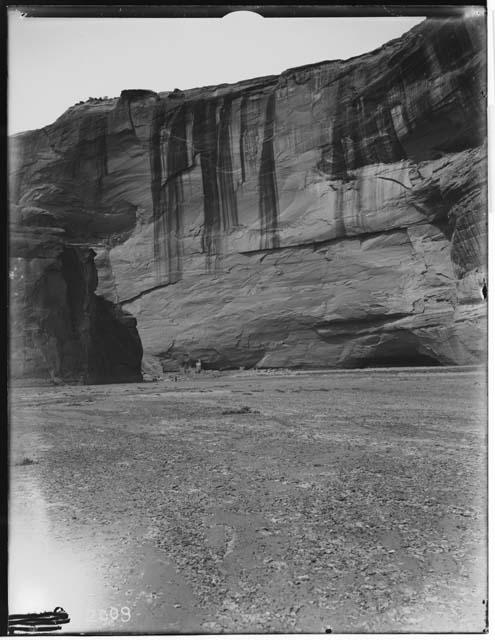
(253, 502)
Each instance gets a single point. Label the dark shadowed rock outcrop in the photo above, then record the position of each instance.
(334, 215)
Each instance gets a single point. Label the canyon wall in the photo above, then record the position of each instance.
(332, 216)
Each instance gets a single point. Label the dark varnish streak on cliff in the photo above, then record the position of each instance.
(228, 198)
(267, 183)
(213, 143)
(242, 136)
(211, 139)
(156, 182)
(363, 133)
(167, 195)
(205, 143)
(382, 118)
(173, 193)
(397, 114)
(89, 159)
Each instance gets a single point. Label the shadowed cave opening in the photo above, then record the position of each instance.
(101, 343)
(399, 349)
(411, 359)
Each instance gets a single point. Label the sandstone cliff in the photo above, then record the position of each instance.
(332, 216)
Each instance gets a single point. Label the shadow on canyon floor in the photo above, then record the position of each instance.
(246, 502)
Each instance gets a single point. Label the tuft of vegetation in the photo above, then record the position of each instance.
(93, 99)
(26, 461)
(230, 412)
(176, 93)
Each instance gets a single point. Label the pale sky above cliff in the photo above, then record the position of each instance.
(55, 62)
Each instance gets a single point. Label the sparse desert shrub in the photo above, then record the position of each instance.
(229, 412)
(26, 461)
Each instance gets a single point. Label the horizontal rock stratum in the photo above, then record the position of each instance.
(332, 216)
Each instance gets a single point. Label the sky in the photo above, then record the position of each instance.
(55, 62)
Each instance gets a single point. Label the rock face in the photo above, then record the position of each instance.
(332, 216)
